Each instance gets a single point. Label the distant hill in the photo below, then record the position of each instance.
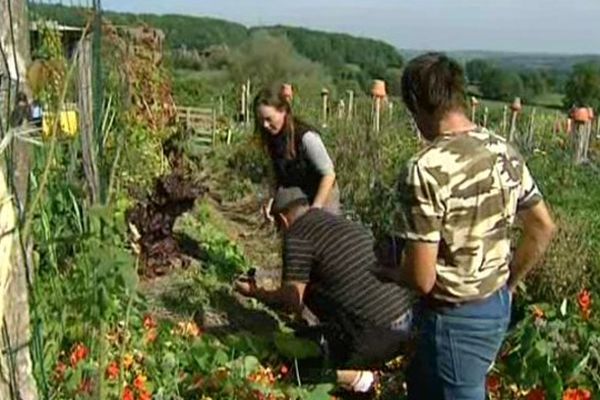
(561, 63)
(334, 50)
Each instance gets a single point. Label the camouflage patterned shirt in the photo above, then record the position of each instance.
(463, 192)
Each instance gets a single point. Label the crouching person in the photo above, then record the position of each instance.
(327, 267)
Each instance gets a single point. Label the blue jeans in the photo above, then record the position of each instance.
(456, 348)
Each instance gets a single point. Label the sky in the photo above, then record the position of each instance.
(542, 26)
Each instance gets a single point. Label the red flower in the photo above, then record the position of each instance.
(538, 313)
(536, 394)
(85, 386)
(112, 371)
(145, 395)
(59, 371)
(127, 394)
(79, 353)
(585, 303)
(493, 384)
(140, 382)
(577, 394)
(151, 335)
(149, 322)
(283, 371)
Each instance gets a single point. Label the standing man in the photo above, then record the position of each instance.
(460, 198)
(328, 264)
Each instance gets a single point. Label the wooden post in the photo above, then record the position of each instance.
(485, 116)
(580, 140)
(17, 380)
(243, 105)
(378, 91)
(350, 105)
(504, 119)
(341, 109)
(474, 104)
(516, 107)
(248, 101)
(86, 125)
(377, 113)
(325, 105)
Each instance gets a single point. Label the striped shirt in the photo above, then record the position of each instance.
(335, 257)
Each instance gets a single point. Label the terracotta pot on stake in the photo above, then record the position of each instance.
(581, 118)
(516, 107)
(379, 93)
(287, 92)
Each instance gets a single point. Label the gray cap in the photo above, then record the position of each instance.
(286, 198)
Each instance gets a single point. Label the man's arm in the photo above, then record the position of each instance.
(538, 231)
(289, 296)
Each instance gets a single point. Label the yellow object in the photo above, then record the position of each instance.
(68, 124)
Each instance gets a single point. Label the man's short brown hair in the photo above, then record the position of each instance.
(433, 83)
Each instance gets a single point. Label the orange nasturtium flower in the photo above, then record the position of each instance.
(79, 353)
(140, 382)
(493, 384)
(127, 361)
(577, 394)
(536, 394)
(59, 371)
(149, 322)
(538, 313)
(128, 394)
(145, 395)
(585, 303)
(112, 371)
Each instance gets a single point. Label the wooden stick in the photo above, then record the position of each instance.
(513, 126)
(243, 104)
(391, 110)
(504, 119)
(325, 98)
(248, 101)
(341, 109)
(377, 114)
(485, 116)
(350, 104)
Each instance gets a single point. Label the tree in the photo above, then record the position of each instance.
(270, 59)
(502, 85)
(476, 69)
(534, 84)
(16, 378)
(583, 86)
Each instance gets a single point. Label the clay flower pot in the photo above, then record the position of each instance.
(378, 89)
(474, 101)
(324, 92)
(516, 105)
(580, 115)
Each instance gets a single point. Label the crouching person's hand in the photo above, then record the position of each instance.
(245, 287)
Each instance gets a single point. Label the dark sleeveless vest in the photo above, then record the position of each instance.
(299, 171)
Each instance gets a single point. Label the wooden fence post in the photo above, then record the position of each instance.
(350, 105)
(516, 108)
(325, 105)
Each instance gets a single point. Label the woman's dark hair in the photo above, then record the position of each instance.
(293, 128)
(433, 83)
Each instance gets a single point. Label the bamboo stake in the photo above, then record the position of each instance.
(504, 119)
(248, 101)
(325, 104)
(391, 111)
(485, 116)
(377, 114)
(341, 109)
(243, 105)
(350, 104)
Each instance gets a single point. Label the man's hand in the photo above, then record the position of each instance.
(245, 287)
(266, 210)
(538, 231)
